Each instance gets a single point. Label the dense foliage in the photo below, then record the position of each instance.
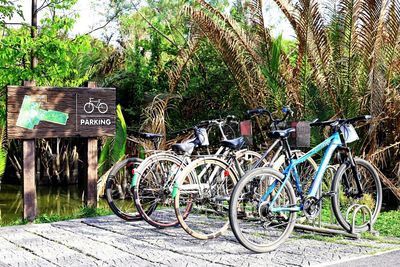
(176, 62)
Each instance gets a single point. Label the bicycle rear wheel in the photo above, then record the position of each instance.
(247, 159)
(345, 197)
(208, 196)
(118, 189)
(255, 226)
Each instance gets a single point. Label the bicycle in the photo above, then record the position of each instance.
(155, 178)
(213, 179)
(91, 105)
(271, 220)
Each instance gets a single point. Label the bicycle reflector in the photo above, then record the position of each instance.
(226, 173)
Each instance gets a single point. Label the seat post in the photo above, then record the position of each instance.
(287, 146)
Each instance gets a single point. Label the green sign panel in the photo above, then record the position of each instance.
(31, 114)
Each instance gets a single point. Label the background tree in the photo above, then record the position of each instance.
(62, 61)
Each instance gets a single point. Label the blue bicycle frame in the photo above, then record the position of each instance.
(332, 143)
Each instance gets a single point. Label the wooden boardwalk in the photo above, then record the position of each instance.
(109, 241)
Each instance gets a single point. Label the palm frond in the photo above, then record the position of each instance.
(263, 36)
(240, 62)
(176, 75)
(155, 115)
(233, 27)
(391, 40)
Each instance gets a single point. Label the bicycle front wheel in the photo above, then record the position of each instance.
(153, 189)
(118, 189)
(346, 197)
(254, 224)
(208, 194)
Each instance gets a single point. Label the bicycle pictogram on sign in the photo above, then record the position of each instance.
(92, 104)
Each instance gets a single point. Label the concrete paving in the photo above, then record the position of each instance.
(109, 241)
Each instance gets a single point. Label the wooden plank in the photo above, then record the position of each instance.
(90, 112)
(91, 184)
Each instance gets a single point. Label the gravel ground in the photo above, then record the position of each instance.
(109, 241)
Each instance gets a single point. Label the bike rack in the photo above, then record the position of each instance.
(359, 208)
(333, 227)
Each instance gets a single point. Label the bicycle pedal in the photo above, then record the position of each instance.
(222, 198)
(329, 194)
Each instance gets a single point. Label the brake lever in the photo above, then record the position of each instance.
(334, 124)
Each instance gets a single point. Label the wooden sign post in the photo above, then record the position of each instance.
(53, 112)
(29, 183)
(91, 183)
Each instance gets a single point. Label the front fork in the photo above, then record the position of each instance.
(356, 175)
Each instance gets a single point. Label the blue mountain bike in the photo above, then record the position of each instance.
(264, 205)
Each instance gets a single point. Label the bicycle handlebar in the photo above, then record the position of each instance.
(228, 119)
(339, 122)
(148, 136)
(261, 111)
(207, 123)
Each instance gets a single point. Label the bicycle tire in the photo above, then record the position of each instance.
(208, 199)
(370, 193)
(248, 216)
(123, 209)
(89, 104)
(100, 109)
(150, 190)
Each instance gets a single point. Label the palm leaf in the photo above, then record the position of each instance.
(114, 147)
(240, 62)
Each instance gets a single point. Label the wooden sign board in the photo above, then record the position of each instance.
(47, 112)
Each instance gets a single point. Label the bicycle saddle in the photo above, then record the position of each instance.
(236, 143)
(150, 136)
(183, 147)
(281, 133)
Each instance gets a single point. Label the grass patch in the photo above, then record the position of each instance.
(83, 212)
(13, 223)
(387, 223)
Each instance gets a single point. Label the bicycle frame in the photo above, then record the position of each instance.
(222, 151)
(332, 143)
(234, 164)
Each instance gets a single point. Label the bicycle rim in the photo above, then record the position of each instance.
(153, 190)
(208, 196)
(118, 189)
(254, 225)
(345, 200)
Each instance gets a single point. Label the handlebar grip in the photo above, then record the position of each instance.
(203, 123)
(230, 118)
(321, 123)
(359, 118)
